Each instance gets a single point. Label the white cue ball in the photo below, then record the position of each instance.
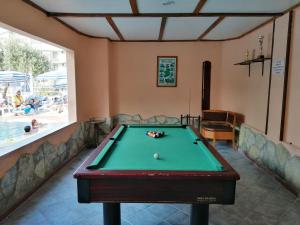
(156, 156)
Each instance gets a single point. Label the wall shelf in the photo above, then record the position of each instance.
(257, 60)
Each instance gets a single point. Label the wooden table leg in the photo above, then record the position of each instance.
(199, 214)
(111, 214)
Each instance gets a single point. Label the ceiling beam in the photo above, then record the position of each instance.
(52, 14)
(219, 20)
(114, 27)
(162, 28)
(134, 7)
(199, 6)
(63, 14)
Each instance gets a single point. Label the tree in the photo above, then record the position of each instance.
(21, 57)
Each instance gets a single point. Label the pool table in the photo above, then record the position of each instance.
(188, 170)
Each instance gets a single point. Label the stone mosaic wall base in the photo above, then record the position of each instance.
(137, 119)
(31, 170)
(273, 156)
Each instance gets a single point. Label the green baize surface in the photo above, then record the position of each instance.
(134, 150)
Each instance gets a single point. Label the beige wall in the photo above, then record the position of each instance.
(133, 77)
(93, 80)
(248, 95)
(239, 92)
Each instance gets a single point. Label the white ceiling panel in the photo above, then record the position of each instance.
(97, 27)
(167, 6)
(232, 27)
(188, 28)
(146, 28)
(85, 6)
(242, 6)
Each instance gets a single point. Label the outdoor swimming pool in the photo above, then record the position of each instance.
(12, 134)
(11, 131)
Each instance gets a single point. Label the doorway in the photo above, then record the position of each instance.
(206, 78)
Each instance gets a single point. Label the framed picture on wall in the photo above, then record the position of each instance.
(166, 71)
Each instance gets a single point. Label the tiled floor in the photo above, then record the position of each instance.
(260, 200)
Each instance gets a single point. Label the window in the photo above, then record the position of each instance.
(35, 76)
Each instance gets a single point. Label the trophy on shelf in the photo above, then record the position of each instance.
(261, 41)
(253, 53)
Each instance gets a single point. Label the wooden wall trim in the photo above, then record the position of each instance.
(202, 40)
(35, 6)
(231, 14)
(270, 79)
(286, 76)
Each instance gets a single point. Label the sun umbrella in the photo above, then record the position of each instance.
(53, 75)
(13, 77)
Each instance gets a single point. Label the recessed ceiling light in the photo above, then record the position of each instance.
(167, 3)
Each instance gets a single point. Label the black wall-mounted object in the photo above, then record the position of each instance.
(206, 80)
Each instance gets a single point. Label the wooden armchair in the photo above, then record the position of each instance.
(218, 125)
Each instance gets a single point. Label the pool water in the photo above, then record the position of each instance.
(10, 131)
